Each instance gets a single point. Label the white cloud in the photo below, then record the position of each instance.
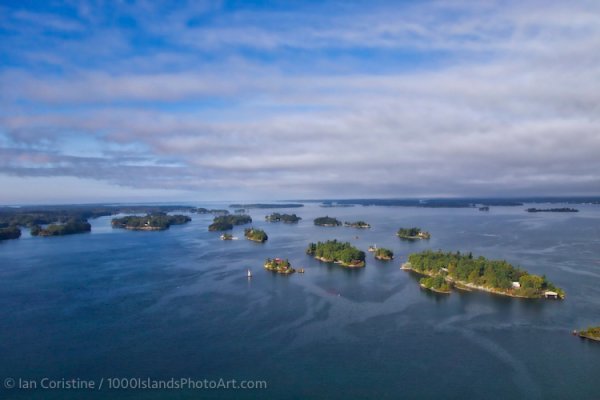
(511, 104)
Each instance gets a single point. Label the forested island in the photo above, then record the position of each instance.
(256, 235)
(342, 253)
(285, 218)
(216, 212)
(150, 222)
(465, 271)
(42, 215)
(10, 232)
(279, 265)
(267, 205)
(357, 224)
(68, 228)
(384, 254)
(226, 222)
(327, 221)
(561, 209)
(592, 333)
(412, 234)
(68, 219)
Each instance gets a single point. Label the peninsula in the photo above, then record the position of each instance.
(256, 235)
(384, 254)
(59, 229)
(494, 276)
(10, 232)
(327, 221)
(412, 234)
(285, 218)
(226, 222)
(342, 253)
(279, 265)
(591, 333)
(436, 284)
(357, 224)
(150, 222)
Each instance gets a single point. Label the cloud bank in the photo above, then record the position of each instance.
(303, 100)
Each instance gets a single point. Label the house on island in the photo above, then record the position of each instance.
(550, 294)
(516, 285)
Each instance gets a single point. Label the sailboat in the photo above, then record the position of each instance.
(249, 273)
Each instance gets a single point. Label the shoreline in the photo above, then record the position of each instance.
(435, 290)
(412, 237)
(467, 286)
(592, 338)
(286, 272)
(144, 228)
(254, 240)
(361, 265)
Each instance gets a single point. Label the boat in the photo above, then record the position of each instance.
(301, 271)
(373, 248)
(249, 273)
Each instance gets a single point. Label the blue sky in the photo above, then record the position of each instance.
(132, 101)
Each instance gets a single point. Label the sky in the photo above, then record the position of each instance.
(165, 101)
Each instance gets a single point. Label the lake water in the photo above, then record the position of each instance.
(177, 303)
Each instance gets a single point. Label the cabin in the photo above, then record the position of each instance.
(550, 295)
(516, 285)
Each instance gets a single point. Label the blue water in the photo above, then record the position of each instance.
(177, 303)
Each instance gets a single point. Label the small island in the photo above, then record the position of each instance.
(484, 208)
(226, 222)
(342, 253)
(59, 229)
(464, 271)
(591, 333)
(150, 222)
(227, 236)
(279, 266)
(357, 224)
(285, 218)
(436, 284)
(10, 232)
(327, 221)
(412, 234)
(215, 212)
(256, 235)
(384, 254)
(562, 209)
